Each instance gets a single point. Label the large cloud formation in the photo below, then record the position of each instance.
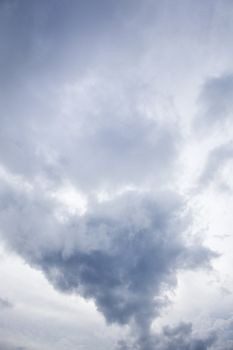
(123, 253)
(87, 101)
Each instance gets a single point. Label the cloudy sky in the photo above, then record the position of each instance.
(116, 161)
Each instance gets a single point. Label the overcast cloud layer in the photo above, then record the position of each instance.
(116, 175)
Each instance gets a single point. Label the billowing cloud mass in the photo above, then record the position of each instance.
(115, 138)
(123, 253)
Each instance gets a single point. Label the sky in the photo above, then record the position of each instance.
(116, 160)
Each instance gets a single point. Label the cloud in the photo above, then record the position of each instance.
(223, 327)
(124, 253)
(84, 113)
(216, 103)
(217, 160)
(87, 99)
(122, 131)
(5, 346)
(47, 34)
(179, 337)
(5, 304)
(214, 121)
(97, 135)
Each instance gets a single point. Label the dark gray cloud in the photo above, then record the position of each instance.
(123, 253)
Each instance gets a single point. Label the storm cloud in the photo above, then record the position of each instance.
(104, 109)
(123, 253)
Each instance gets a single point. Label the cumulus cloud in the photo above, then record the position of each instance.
(123, 253)
(88, 98)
